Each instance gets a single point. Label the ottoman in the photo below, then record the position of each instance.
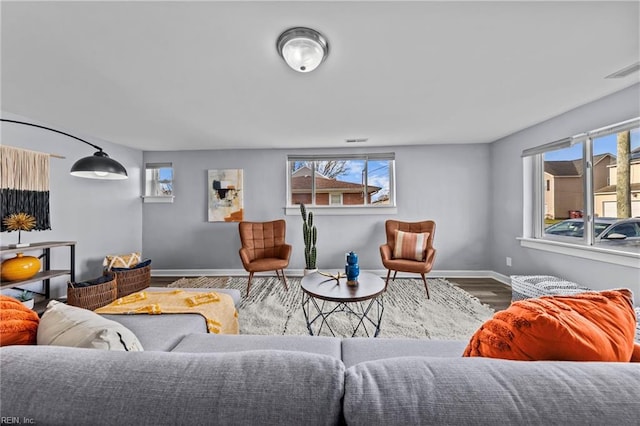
(527, 286)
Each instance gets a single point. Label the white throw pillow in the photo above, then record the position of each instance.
(65, 325)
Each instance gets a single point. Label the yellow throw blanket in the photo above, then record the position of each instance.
(217, 308)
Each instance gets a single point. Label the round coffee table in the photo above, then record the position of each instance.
(363, 303)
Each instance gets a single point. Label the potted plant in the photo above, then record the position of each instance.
(310, 234)
(26, 297)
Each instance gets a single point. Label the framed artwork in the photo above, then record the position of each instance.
(225, 195)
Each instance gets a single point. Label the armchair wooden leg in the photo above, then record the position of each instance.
(425, 285)
(278, 273)
(284, 280)
(386, 283)
(249, 283)
(394, 275)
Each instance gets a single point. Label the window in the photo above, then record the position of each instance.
(158, 183)
(586, 189)
(341, 181)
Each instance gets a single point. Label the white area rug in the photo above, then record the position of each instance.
(451, 313)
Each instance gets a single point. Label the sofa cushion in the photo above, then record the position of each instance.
(480, 391)
(410, 245)
(18, 324)
(198, 343)
(361, 349)
(160, 332)
(596, 326)
(65, 325)
(66, 386)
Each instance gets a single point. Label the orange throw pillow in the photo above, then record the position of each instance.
(583, 327)
(18, 324)
(410, 245)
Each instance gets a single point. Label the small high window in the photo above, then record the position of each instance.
(158, 183)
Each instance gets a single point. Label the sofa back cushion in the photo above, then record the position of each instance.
(482, 391)
(153, 388)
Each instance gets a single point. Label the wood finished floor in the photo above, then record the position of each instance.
(487, 290)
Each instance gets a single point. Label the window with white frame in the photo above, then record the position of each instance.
(586, 189)
(341, 181)
(158, 182)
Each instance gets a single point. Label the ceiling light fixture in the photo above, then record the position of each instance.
(303, 49)
(97, 166)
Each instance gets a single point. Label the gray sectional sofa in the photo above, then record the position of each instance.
(186, 376)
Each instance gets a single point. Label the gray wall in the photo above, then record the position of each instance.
(473, 192)
(103, 216)
(447, 183)
(506, 197)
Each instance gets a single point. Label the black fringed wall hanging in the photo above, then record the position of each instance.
(24, 185)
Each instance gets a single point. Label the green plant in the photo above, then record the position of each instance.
(26, 295)
(310, 234)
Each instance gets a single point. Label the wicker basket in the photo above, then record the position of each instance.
(94, 296)
(132, 280)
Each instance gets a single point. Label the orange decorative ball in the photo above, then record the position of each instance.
(20, 267)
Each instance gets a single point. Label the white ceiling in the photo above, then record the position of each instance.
(206, 75)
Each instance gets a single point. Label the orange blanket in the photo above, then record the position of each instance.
(217, 308)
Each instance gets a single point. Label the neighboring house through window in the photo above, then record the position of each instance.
(341, 181)
(585, 189)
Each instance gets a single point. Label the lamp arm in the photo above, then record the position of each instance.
(53, 130)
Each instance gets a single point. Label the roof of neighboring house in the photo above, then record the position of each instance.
(306, 171)
(612, 188)
(571, 167)
(301, 183)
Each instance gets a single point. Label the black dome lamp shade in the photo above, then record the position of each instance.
(97, 166)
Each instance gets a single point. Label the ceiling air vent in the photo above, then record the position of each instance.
(625, 71)
(356, 140)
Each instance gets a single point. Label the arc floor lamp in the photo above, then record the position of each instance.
(97, 166)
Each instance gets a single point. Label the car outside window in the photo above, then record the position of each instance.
(585, 184)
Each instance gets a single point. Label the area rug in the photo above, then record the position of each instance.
(451, 313)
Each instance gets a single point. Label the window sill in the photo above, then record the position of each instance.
(341, 211)
(617, 257)
(164, 199)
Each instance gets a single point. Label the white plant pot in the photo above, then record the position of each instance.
(309, 271)
(28, 303)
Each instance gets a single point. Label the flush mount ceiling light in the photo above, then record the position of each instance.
(303, 49)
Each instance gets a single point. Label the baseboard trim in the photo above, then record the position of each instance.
(299, 272)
